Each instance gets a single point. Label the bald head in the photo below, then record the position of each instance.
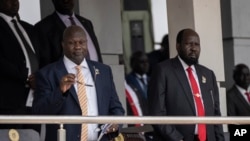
(184, 33)
(75, 44)
(71, 30)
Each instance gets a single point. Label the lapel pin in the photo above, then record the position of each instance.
(204, 79)
(96, 72)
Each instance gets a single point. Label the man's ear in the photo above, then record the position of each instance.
(178, 46)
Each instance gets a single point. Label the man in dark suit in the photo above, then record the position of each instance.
(157, 56)
(138, 79)
(51, 29)
(238, 98)
(171, 92)
(18, 60)
(58, 89)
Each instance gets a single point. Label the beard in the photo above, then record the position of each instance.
(189, 60)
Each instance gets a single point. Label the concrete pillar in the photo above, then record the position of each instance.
(106, 18)
(205, 18)
(236, 35)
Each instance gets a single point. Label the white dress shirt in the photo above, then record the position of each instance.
(91, 93)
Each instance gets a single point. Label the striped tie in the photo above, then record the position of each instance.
(82, 96)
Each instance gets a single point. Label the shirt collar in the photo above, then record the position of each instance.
(243, 91)
(65, 17)
(144, 76)
(6, 17)
(71, 65)
(185, 65)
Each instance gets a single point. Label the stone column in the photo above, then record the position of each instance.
(106, 18)
(236, 35)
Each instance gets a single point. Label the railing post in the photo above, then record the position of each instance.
(61, 134)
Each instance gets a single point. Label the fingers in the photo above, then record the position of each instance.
(68, 78)
(113, 128)
(66, 82)
(32, 76)
(31, 81)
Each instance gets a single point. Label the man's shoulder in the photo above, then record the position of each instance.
(130, 76)
(48, 20)
(81, 18)
(97, 64)
(168, 63)
(231, 91)
(25, 23)
(204, 68)
(51, 67)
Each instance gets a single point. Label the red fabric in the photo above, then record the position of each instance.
(133, 107)
(248, 96)
(199, 105)
(130, 100)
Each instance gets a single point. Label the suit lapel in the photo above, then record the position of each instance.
(88, 27)
(61, 71)
(59, 23)
(95, 71)
(55, 35)
(240, 98)
(207, 97)
(6, 27)
(137, 84)
(183, 80)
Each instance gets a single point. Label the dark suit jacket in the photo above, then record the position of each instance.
(13, 72)
(131, 80)
(50, 101)
(169, 94)
(237, 106)
(50, 31)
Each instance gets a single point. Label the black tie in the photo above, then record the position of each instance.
(72, 21)
(144, 87)
(142, 81)
(31, 55)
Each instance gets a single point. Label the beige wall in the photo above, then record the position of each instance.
(106, 18)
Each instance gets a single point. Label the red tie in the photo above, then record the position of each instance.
(248, 96)
(199, 106)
